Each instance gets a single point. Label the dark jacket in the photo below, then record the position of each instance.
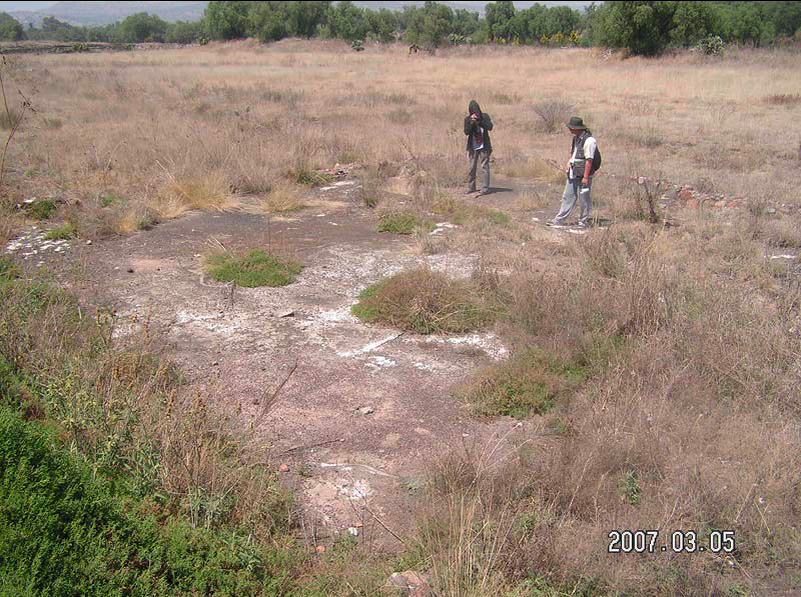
(483, 120)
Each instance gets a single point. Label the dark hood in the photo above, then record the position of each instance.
(474, 107)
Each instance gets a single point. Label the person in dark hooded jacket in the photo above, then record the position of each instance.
(477, 126)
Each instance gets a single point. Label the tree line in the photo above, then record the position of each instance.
(643, 27)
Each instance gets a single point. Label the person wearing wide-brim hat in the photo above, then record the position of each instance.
(579, 174)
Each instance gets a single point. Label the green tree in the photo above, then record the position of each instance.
(429, 25)
(465, 22)
(10, 28)
(227, 20)
(183, 32)
(141, 27)
(693, 21)
(382, 24)
(304, 18)
(344, 20)
(500, 19)
(642, 27)
(269, 21)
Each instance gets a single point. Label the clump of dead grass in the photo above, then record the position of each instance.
(283, 197)
(423, 301)
(210, 193)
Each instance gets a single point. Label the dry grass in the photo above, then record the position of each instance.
(687, 409)
(210, 193)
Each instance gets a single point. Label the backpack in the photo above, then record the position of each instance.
(596, 161)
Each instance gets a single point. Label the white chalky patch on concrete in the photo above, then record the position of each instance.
(367, 348)
(489, 343)
(354, 490)
(783, 257)
(339, 184)
(379, 361)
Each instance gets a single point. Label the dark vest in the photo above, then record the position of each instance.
(578, 146)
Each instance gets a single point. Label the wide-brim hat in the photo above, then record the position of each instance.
(576, 123)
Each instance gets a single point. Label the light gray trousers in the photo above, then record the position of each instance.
(474, 158)
(574, 190)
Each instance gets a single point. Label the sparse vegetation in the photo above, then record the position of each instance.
(424, 302)
(403, 222)
(41, 209)
(253, 268)
(655, 361)
(64, 232)
(530, 382)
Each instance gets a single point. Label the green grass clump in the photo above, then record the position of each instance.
(404, 222)
(528, 383)
(41, 210)
(425, 302)
(308, 177)
(65, 532)
(65, 232)
(253, 269)
(8, 269)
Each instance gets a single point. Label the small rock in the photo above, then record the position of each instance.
(366, 410)
(289, 313)
(771, 210)
(320, 549)
(410, 583)
(353, 531)
(130, 270)
(641, 180)
(284, 468)
(88, 242)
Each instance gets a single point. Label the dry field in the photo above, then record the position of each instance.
(671, 348)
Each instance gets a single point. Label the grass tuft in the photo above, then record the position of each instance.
(529, 383)
(253, 269)
(41, 210)
(404, 222)
(425, 302)
(65, 232)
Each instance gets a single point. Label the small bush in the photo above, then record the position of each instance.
(8, 269)
(528, 383)
(253, 269)
(783, 99)
(41, 210)
(553, 114)
(404, 222)
(306, 176)
(64, 232)
(10, 119)
(424, 302)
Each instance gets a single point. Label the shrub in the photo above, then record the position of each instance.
(41, 210)
(553, 114)
(424, 302)
(404, 222)
(252, 269)
(64, 232)
(528, 383)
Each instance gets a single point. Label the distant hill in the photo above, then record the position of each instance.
(103, 13)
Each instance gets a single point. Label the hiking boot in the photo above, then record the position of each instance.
(469, 192)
